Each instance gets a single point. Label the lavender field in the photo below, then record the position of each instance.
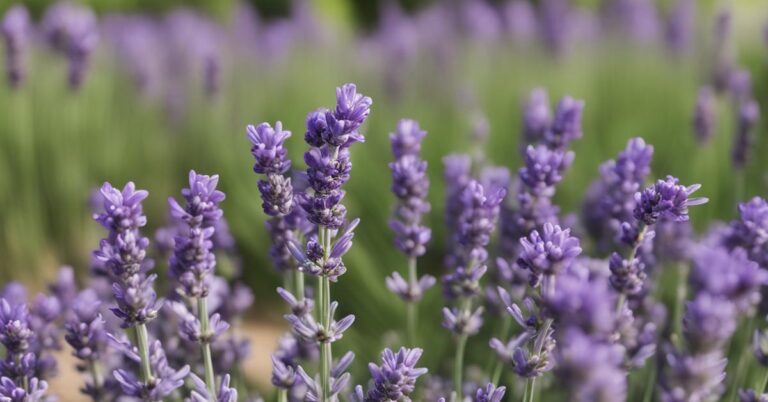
(443, 201)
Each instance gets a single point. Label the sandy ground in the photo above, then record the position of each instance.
(263, 336)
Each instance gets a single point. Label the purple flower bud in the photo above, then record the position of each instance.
(309, 329)
(324, 210)
(544, 168)
(277, 195)
(748, 115)
(268, 148)
(351, 111)
(411, 293)
(760, 346)
(704, 115)
(317, 126)
(283, 376)
(537, 117)
(667, 199)
(15, 28)
(728, 275)
(411, 240)
(34, 392)
(202, 201)
(201, 393)
(708, 323)
(462, 322)
(750, 395)
(627, 277)
(395, 379)
(750, 232)
(549, 252)
(166, 380)
(590, 369)
(490, 393)
(327, 169)
(692, 377)
(566, 125)
(588, 305)
(406, 140)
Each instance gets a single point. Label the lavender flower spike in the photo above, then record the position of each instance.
(490, 393)
(270, 155)
(566, 126)
(750, 231)
(537, 117)
(704, 115)
(395, 379)
(15, 28)
(549, 252)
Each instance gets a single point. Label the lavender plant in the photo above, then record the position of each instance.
(410, 185)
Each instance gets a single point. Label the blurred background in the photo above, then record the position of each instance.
(146, 90)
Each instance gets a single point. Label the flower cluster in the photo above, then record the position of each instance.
(330, 133)
(395, 379)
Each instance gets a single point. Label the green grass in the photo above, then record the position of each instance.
(56, 146)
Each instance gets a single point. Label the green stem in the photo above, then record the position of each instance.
(210, 380)
(325, 306)
(458, 367)
(282, 395)
(742, 361)
(411, 308)
(650, 385)
(530, 388)
(682, 290)
(142, 342)
(763, 385)
(299, 276)
(497, 370)
(98, 380)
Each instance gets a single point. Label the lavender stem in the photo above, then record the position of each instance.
(458, 368)
(530, 386)
(682, 290)
(210, 381)
(142, 342)
(325, 302)
(411, 308)
(282, 395)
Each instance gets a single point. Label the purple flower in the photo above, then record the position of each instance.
(85, 328)
(544, 168)
(748, 115)
(627, 276)
(681, 25)
(549, 252)
(15, 333)
(407, 138)
(351, 111)
(283, 376)
(537, 117)
(268, 148)
(692, 377)
(750, 395)
(566, 125)
(610, 200)
(164, 383)
(201, 393)
(760, 346)
(728, 275)
(409, 292)
(396, 378)
(462, 322)
(590, 369)
(193, 261)
(410, 185)
(324, 209)
(477, 220)
(704, 115)
(411, 240)
(456, 173)
(314, 261)
(667, 199)
(15, 28)
(750, 232)
(277, 195)
(309, 329)
(327, 168)
(708, 323)
(202, 201)
(123, 253)
(490, 393)
(586, 304)
(11, 392)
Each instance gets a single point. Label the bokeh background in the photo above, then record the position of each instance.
(173, 89)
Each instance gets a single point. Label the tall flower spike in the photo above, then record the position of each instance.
(750, 231)
(537, 117)
(15, 28)
(544, 168)
(566, 125)
(704, 115)
(270, 155)
(748, 114)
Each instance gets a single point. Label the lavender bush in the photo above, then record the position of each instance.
(629, 298)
